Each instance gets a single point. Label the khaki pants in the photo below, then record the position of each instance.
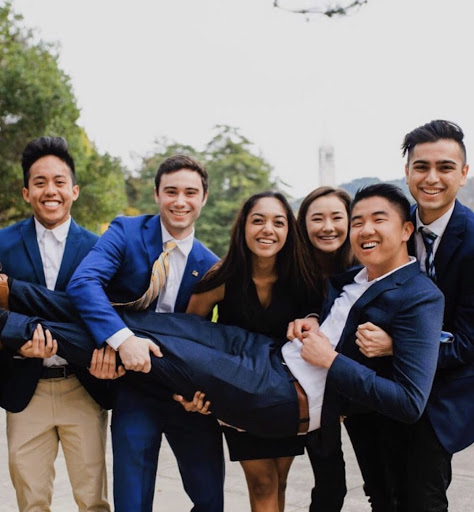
(61, 410)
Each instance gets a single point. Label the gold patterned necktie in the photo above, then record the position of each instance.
(159, 275)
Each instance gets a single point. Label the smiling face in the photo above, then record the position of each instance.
(50, 191)
(327, 223)
(266, 228)
(378, 236)
(434, 173)
(180, 198)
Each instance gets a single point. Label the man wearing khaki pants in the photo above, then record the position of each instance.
(47, 399)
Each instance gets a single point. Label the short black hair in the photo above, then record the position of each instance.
(432, 132)
(45, 146)
(176, 163)
(391, 193)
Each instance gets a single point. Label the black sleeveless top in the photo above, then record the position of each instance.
(241, 307)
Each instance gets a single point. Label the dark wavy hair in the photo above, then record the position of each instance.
(432, 132)
(176, 163)
(292, 261)
(343, 258)
(46, 146)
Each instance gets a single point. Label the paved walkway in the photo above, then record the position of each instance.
(170, 497)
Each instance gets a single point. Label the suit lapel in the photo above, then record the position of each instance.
(153, 239)
(28, 233)
(394, 280)
(192, 274)
(450, 241)
(71, 257)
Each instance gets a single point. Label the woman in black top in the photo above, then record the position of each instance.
(323, 218)
(262, 284)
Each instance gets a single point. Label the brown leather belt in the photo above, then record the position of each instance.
(303, 408)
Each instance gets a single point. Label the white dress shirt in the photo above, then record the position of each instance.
(313, 378)
(52, 243)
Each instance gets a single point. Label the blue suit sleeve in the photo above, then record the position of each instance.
(460, 351)
(415, 333)
(87, 287)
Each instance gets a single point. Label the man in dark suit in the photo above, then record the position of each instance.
(47, 399)
(118, 269)
(436, 168)
(242, 373)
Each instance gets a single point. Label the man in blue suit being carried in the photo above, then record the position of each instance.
(118, 269)
(242, 373)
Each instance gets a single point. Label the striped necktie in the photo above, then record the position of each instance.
(428, 239)
(159, 275)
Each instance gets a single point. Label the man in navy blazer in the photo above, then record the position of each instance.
(118, 269)
(436, 168)
(242, 372)
(46, 249)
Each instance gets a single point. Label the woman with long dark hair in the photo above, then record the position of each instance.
(262, 284)
(323, 218)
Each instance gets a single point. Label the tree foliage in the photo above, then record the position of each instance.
(36, 98)
(235, 173)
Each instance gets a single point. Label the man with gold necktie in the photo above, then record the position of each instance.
(152, 262)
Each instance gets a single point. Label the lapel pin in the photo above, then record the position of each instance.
(195, 273)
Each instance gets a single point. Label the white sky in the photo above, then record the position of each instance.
(144, 69)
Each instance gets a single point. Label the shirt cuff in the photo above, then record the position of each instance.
(119, 337)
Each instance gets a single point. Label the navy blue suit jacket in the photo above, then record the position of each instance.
(408, 306)
(118, 269)
(21, 259)
(451, 404)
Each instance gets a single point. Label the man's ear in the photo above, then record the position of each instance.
(407, 230)
(464, 173)
(407, 172)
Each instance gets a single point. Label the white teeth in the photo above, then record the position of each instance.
(180, 214)
(264, 241)
(51, 203)
(369, 245)
(431, 192)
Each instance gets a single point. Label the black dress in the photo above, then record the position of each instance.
(242, 308)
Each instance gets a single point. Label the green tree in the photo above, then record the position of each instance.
(140, 184)
(36, 98)
(235, 173)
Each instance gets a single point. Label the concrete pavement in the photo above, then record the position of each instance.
(170, 496)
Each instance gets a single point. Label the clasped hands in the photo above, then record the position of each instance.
(317, 350)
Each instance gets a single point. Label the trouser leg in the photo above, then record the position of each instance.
(330, 489)
(32, 449)
(82, 430)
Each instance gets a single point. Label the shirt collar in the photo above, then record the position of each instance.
(185, 245)
(438, 226)
(362, 276)
(60, 232)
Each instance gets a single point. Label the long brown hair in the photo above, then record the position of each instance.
(343, 256)
(292, 261)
